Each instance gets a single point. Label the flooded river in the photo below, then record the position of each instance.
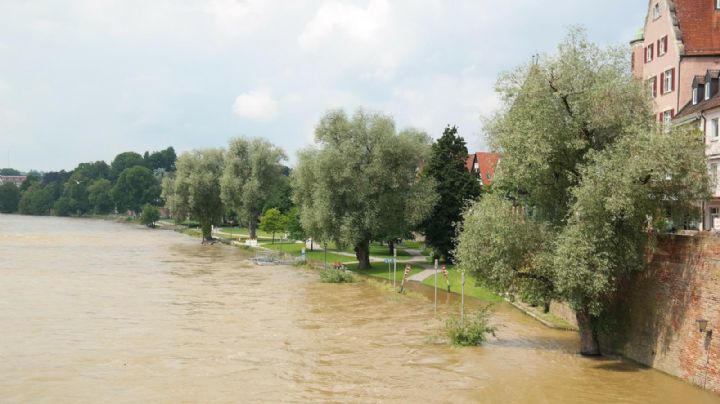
(93, 311)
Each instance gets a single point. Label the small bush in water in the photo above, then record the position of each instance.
(473, 332)
(336, 276)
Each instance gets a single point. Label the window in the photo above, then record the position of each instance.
(717, 4)
(475, 167)
(714, 127)
(667, 117)
(652, 87)
(714, 215)
(662, 45)
(656, 10)
(649, 53)
(695, 95)
(668, 84)
(707, 89)
(713, 174)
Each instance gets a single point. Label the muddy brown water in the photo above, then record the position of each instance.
(95, 311)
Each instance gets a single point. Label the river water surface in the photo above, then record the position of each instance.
(95, 311)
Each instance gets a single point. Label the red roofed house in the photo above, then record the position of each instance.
(483, 164)
(680, 40)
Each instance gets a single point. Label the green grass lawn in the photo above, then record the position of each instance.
(380, 270)
(412, 244)
(318, 255)
(471, 289)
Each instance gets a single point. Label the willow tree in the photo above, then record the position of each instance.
(252, 178)
(361, 182)
(585, 175)
(194, 190)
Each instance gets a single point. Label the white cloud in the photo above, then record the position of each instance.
(355, 23)
(255, 105)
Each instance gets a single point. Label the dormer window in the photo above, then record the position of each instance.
(695, 95)
(717, 4)
(707, 88)
(656, 10)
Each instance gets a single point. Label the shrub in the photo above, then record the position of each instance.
(473, 332)
(331, 275)
(150, 215)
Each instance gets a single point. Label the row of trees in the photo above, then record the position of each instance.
(128, 183)
(361, 181)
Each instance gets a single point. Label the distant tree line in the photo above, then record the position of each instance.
(130, 181)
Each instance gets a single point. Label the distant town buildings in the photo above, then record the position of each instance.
(13, 179)
(483, 164)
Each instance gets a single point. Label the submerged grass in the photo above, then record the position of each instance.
(332, 275)
(473, 331)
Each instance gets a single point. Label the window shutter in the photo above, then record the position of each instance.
(662, 83)
(672, 82)
(654, 86)
(660, 117)
(645, 54)
(672, 113)
(665, 42)
(658, 46)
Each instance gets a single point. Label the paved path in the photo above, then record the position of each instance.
(421, 276)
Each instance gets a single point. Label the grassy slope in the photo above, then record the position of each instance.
(471, 289)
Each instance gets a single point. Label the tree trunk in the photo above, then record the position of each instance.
(273, 240)
(312, 244)
(362, 252)
(206, 229)
(391, 245)
(589, 345)
(252, 227)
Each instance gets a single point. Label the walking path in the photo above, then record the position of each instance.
(421, 276)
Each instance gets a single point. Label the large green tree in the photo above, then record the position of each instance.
(123, 161)
(585, 174)
(360, 182)
(194, 189)
(456, 187)
(36, 200)
(252, 178)
(99, 196)
(135, 187)
(9, 171)
(9, 198)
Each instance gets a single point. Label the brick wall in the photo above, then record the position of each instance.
(654, 319)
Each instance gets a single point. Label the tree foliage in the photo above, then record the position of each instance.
(456, 187)
(9, 171)
(135, 187)
(584, 174)
(360, 183)
(251, 179)
(36, 200)
(194, 190)
(273, 221)
(9, 198)
(123, 161)
(99, 196)
(150, 215)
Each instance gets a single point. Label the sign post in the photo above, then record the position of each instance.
(462, 297)
(394, 266)
(436, 267)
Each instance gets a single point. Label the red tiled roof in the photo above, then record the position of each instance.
(699, 23)
(487, 162)
(704, 105)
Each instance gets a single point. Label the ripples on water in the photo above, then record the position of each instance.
(94, 311)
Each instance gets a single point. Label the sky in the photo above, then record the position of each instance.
(84, 80)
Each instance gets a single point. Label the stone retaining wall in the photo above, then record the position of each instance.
(654, 320)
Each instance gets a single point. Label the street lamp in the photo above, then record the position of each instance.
(702, 324)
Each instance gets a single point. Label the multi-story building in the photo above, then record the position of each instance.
(703, 110)
(680, 40)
